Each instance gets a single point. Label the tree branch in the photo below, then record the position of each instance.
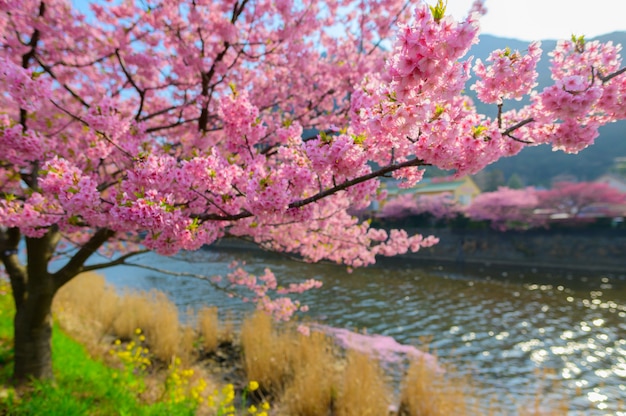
(117, 262)
(76, 264)
(349, 183)
(611, 76)
(322, 194)
(9, 241)
(185, 274)
(141, 92)
(104, 136)
(514, 127)
(65, 86)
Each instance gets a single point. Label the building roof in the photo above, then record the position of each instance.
(438, 185)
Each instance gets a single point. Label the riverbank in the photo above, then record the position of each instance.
(556, 251)
(235, 374)
(83, 384)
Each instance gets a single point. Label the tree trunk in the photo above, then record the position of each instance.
(33, 333)
(34, 288)
(33, 314)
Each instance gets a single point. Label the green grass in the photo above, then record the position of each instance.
(82, 385)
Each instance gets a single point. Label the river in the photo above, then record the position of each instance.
(513, 332)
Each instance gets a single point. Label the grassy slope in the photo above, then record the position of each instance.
(83, 386)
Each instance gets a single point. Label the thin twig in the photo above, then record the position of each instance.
(514, 127)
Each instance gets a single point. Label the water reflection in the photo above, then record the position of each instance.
(505, 328)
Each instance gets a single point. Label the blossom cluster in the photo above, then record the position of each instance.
(27, 88)
(20, 147)
(510, 75)
(264, 288)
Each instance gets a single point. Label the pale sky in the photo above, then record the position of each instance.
(546, 19)
(532, 19)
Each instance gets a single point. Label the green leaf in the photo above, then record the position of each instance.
(233, 88)
(194, 225)
(439, 10)
(478, 130)
(264, 183)
(325, 138)
(74, 220)
(168, 207)
(439, 110)
(359, 139)
(579, 43)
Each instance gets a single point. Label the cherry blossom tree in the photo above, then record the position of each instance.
(399, 207)
(165, 125)
(439, 206)
(581, 201)
(507, 209)
(520, 209)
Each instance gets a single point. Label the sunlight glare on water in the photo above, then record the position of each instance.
(500, 331)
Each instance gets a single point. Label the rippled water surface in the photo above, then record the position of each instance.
(502, 328)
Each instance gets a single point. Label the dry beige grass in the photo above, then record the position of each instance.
(163, 329)
(305, 374)
(157, 316)
(427, 392)
(86, 308)
(186, 349)
(208, 328)
(228, 333)
(540, 403)
(312, 388)
(364, 389)
(89, 309)
(266, 352)
(134, 312)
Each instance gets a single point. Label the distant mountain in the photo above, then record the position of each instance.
(537, 165)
